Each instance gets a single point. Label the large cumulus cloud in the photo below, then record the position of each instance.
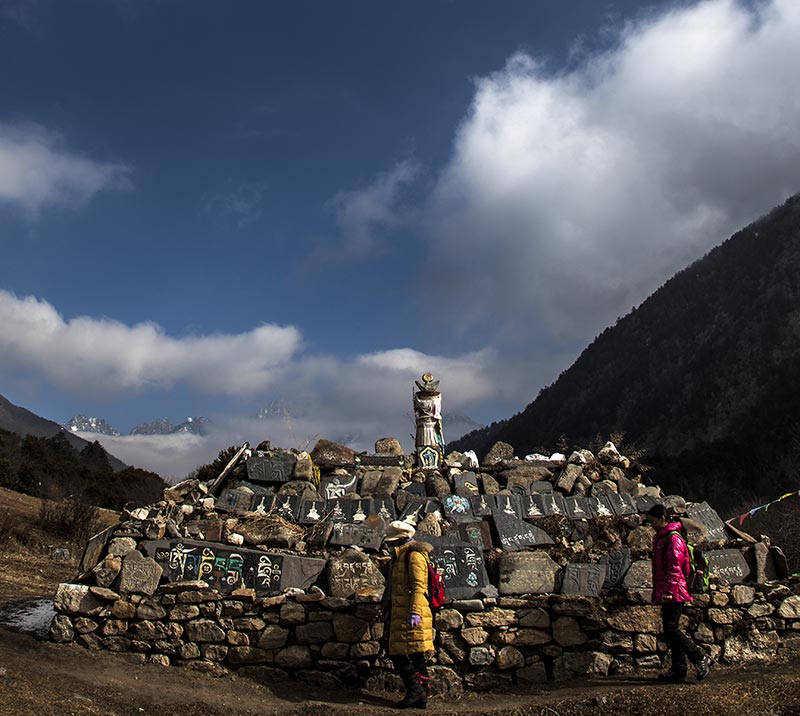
(570, 196)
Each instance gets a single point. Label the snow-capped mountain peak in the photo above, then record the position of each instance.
(84, 424)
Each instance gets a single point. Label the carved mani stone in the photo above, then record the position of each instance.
(351, 572)
(528, 573)
(139, 575)
(584, 579)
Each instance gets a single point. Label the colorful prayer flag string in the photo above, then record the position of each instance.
(744, 516)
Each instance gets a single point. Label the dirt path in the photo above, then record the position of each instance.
(38, 678)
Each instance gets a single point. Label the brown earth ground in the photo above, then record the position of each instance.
(39, 678)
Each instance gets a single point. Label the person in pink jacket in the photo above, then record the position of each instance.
(671, 566)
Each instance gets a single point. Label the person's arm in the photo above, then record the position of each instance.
(675, 554)
(418, 585)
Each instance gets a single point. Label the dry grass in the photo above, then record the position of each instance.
(27, 568)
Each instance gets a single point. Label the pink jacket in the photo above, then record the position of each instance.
(670, 566)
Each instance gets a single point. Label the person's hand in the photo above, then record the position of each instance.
(414, 620)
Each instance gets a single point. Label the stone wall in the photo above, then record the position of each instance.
(480, 643)
(276, 568)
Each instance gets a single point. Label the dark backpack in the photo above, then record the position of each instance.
(698, 579)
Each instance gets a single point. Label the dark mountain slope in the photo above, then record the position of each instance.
(705, 374)
(23, 422)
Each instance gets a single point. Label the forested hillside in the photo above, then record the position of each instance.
(705, 374)
(52, 468)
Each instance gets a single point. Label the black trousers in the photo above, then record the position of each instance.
(680, 645)
(409, 665)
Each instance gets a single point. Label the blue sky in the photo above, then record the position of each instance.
(205, 207)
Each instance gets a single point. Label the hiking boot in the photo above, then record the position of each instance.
(672, 677)
(414, 700)
(702, 667)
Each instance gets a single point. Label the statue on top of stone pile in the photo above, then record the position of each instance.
(429, 440)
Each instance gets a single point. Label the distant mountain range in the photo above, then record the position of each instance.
(197, 426)
(163, 426)
(23, 422)
(704, 375)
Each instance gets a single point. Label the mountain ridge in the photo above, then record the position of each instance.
(21, 421)
(708, 365)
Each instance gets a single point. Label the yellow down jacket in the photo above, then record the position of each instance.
(410, 596)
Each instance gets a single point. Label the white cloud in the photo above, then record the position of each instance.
(570, 197)
(352, 401)
(103, 356)
(38, 171)
(365, 215)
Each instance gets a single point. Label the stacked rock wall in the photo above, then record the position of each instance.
(480, 643)
(276, 570)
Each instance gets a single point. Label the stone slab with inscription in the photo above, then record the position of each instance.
(274, 466)
(336, 486)
(530, 508)
(515, 534)
(528, 573)
(94, 549)
(708, 517)
(384, 507)
(508, 504)
(727, 564)
(476, 532)
(465, 484)
(236, 501)
(621, 505)
(416, 509)
(601, 507)
(353, 571)
(645, 502)
(367, 535)
(481, 505)
(227, 568)
(461, 566)
(617, 564)
(578, 508)
(551, 504)
(139, 574)
(583, 579)
(287, 506)
(457, 508)
(379, 460)
(262, 504)
(311, 511)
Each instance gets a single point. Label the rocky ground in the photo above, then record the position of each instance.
(38, 678)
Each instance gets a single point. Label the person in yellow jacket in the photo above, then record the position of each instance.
(410, 617)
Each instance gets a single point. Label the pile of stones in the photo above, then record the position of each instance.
(276, 569)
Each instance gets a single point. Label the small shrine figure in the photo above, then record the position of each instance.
(429, 442)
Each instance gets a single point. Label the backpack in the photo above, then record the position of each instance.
(698, 579)
(435, 586)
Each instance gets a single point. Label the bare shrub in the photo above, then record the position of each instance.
(69, 519)
(13, 529)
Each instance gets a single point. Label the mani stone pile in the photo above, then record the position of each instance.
(276, 569)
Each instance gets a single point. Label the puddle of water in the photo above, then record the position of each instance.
(30, 615)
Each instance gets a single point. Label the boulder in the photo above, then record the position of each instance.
(497, 453)
(329, 454)
(388, 446)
